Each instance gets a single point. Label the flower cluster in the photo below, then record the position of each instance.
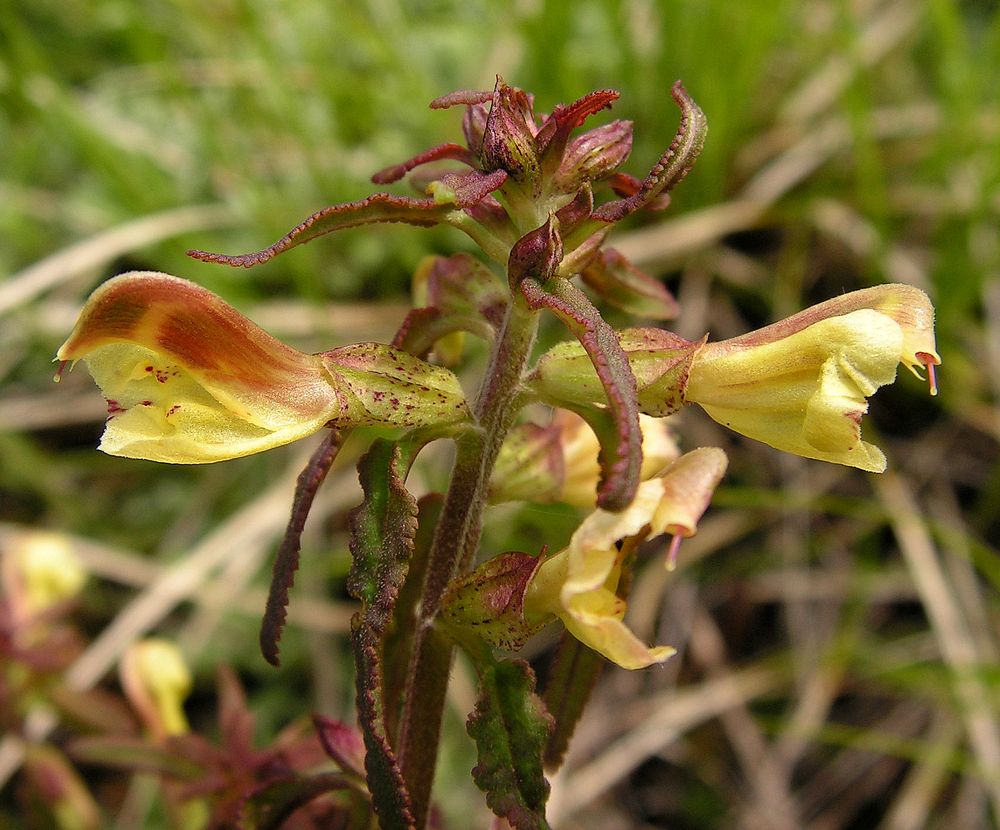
(189, 379)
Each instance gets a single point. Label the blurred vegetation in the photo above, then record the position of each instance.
(839, 632)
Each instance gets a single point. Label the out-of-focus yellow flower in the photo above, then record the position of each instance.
(190, 380)
(157, 680)
(579, 584)
(801, 384)
(41, 570)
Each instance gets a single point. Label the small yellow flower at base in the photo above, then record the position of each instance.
(800, 385)
(579, 584)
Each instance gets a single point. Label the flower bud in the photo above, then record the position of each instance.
(593, 155)
(509, 135)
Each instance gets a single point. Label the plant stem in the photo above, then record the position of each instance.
(456, 539)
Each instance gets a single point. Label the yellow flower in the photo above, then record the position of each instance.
(558, 462)
(579, 584)
(39, 571)
(801, 384)
(580, 449)
(157, 680)
(190, 380)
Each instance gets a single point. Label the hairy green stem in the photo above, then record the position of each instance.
(456, 539)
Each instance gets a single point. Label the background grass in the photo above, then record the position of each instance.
(838, 631)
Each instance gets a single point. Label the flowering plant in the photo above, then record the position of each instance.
(188, 379)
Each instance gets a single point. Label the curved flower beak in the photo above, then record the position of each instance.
(800, 385)
(188, 378)
(579, 584)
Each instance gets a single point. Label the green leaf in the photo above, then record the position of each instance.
(510, 727)
(399, 645)
(571, 679)
(382, 533)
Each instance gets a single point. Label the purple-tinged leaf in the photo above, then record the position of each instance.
(286, 563)
(625, 185)
(464, 97)
(474, 125)
(271, 806)
(461, 284)
(537, 254)
(422, 328)
(672, 167)
(467, 189)
(576, 211)
(453, 152)
(531, 465)
(380, 207)
(620, 283)
(342, 742)
(621, 459)
(458, 293)
(489, 602)
(554, 133)
(593, 155)
(491, 215)
(510, 727)
(399, 647)
(235, 717)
